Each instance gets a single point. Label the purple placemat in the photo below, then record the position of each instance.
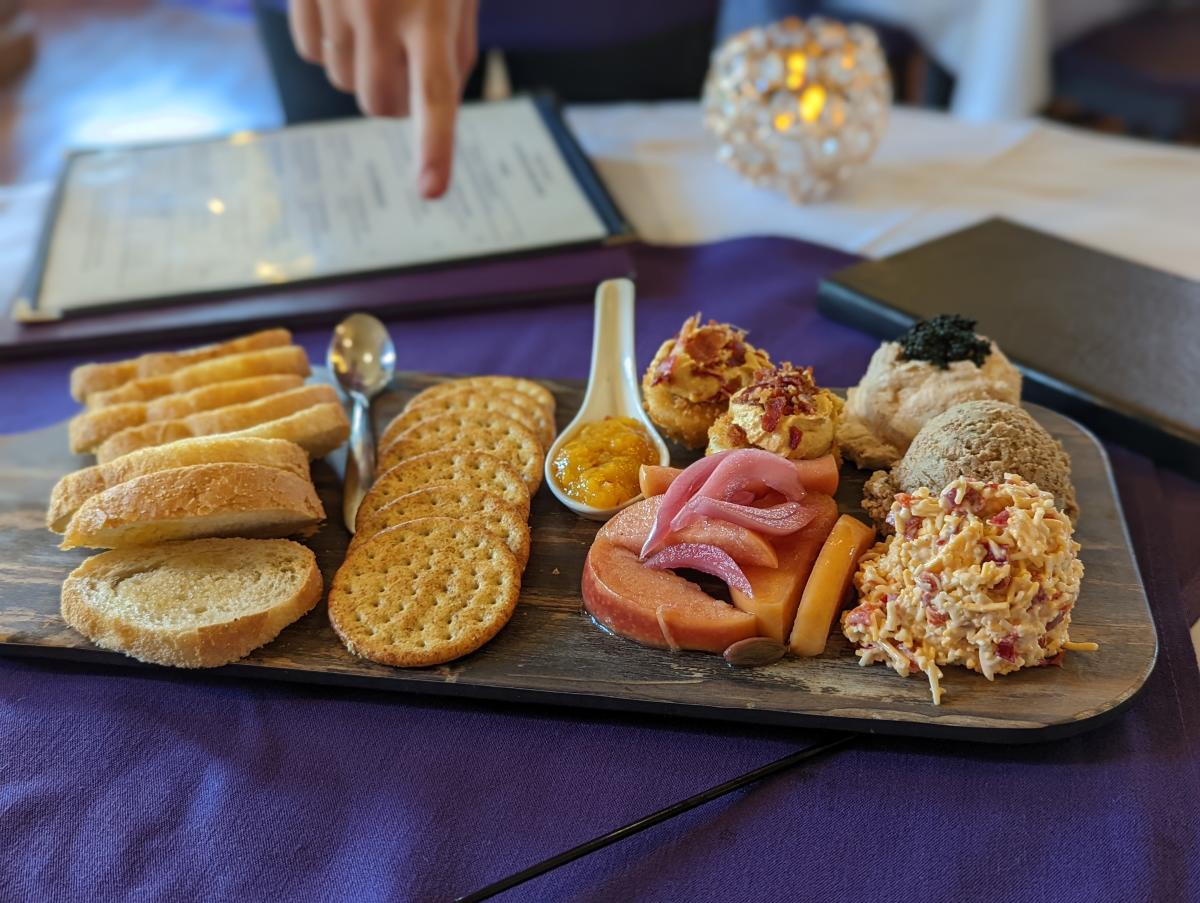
(170, 786)
(476, 284)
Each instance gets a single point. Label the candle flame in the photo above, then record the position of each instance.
(811, 103)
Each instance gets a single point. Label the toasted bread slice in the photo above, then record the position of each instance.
(195, 604)
(285, 359)
(318, 430)
(194, 502)
(90, 428)
(210, 423)
(221, 395)
(76, 488)
(89, 379)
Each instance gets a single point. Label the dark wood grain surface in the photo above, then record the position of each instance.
(552, 653)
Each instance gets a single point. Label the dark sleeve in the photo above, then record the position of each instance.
(738, 15)
(555, 25)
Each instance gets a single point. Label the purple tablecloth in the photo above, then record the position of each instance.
(160, 785)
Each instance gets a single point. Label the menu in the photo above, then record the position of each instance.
(308, 202)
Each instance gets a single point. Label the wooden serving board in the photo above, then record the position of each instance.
(552, 653)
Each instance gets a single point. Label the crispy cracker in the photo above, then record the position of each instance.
(513, 405)
(490, 385)
(458, 466)
(424, 592)
(474, 430)
(498, 517)
(530, 403)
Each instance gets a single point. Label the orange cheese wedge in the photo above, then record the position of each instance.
(827, 587)
(819, 474)
(653, 479)
(777, 590)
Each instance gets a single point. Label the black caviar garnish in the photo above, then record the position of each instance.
(943, 339)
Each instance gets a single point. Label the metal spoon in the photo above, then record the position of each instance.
(363, 359)
(613, 386)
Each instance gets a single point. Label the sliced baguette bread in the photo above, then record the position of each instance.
(221, 395)
(91, 378)
(285, 359)
(91, 427)
(194, 502)
(88, 379)
(318, 430)
(76, 488)
(88, 429)
(195, 604)
(209, 423)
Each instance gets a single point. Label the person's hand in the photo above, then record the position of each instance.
(397, 57)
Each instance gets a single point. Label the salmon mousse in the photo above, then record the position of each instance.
(752, 519)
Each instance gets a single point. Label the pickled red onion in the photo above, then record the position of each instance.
(745, 469)
(704, 558)
(778, 520)
(682, 488)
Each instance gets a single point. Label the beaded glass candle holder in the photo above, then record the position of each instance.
(798, 105)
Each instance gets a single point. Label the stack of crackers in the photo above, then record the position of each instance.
(442, 537)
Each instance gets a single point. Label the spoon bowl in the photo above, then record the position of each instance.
(362, 358)
(612, 389)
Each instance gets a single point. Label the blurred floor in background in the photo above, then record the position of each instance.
(132, 70)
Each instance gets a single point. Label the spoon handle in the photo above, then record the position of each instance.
(613, 379)
(360, 462)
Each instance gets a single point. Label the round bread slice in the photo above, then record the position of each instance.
(477, 431)
(490, 385)
(489, 511)
(463, 468)
(196, 604)
(195, 502)
(424, 593)
(530, 416)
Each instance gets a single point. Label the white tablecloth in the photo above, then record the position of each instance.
(931, 175)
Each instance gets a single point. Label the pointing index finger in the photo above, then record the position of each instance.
(433, 85)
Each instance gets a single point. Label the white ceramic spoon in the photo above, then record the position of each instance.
(613, 387)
